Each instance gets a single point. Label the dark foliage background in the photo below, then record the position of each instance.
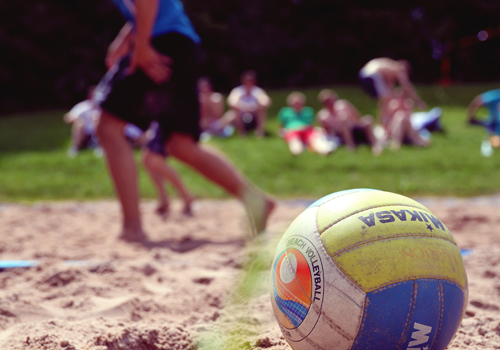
(51, 50)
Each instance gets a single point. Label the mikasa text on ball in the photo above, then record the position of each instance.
(366, 269)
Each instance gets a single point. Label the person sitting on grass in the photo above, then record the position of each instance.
(248, 105)
(342, 120)
(491, 100)
(399, 126)
(297, 123)
(83, 119)
(211, 111)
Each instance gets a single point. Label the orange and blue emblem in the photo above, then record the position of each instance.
(292, 287)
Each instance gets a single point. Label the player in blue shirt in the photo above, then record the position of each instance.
(490, 100)
(155, 56)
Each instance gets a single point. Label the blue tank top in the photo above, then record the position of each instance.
(491, 100)
(171, 18)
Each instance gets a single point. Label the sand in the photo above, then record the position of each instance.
(189, 287)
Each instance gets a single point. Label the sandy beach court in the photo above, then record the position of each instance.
(189, 287)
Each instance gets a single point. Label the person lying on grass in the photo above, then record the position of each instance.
(398, 125)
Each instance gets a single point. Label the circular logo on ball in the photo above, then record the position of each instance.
(297, 287)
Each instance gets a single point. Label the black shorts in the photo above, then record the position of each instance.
(157, 143)
(358, 134)
(138, 100)
(249, 121)
(368, 84)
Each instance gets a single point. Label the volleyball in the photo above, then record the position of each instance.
(366, 269)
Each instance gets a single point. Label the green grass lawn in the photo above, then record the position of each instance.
(34, 165)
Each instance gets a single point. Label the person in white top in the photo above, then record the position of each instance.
(248, 105)
(379, 78)
(83, 118)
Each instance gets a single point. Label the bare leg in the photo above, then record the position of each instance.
(123, 171)
(237, 121)
(77, 134)
(414, 135)
(384, 111)
(77, 137)
(401, 127)
(217, 169)
(157, 167)
(367, 124)
(226, 119)
(261, 122)
(319, 143)
(162, 209)
(295, 146)
(397, 130)
(345, 129)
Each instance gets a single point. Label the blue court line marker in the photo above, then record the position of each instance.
(466, 252)
(9, 264)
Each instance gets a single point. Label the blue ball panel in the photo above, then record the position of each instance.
(423, 313)
(337, 194)
(424, 323)
(453, 301)
(385, 317)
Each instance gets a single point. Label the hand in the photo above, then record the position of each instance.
(113, 56)
(118, 49)
(154, 64)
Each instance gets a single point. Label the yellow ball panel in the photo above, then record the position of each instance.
(342, 207)
(384, 262)
(382, 222)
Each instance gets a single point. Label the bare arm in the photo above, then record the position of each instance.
(475, 104)
(264, 99)
(144, 56)
(354, 114)
(69, 118)
(233, 98)
(217, 105)
(409, 89)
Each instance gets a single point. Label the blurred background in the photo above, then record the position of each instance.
(52, 50)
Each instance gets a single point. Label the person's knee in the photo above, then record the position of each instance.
(367, 120)
(229, 116)
(398, 118)
(151, 161)
(345, 126)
